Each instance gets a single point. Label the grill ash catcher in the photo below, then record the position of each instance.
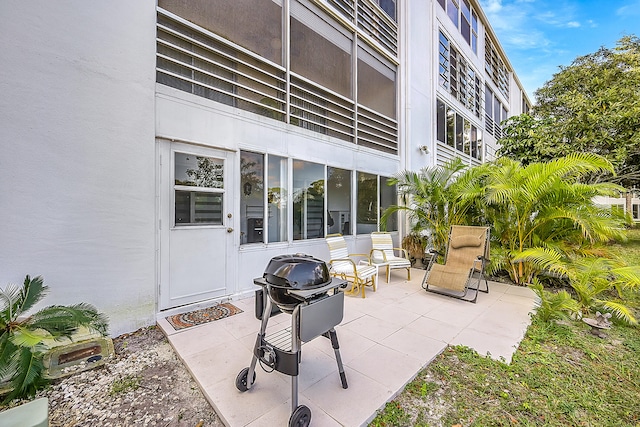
(299, 285)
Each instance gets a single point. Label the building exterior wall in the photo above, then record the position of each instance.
(85, 123)
(77, 175)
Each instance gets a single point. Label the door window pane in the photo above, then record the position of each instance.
(388, 197)
(277, 199)
(193, 207)
(338, 201)
(198, 185)
(251, 197)
(308, 200)
(367, 213)
(451, 126)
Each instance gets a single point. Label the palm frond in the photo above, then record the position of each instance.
(64, 320)
(28, 377)
(619, 311)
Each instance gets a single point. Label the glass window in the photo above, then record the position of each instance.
(442, 3)
(474, 32)
(308, 200)
(255, 25)
(389, 6)
(452, 11)
(441, 121)
(277, 199)
(367, 208)
(467, 137)
(252, 197)
(443, 58)
(636, 211)
(488, 101)
(451, 126)
(465, 23)
(388, 197)
(459, 132)
(198, 190)
(318, 59)
(338, 201)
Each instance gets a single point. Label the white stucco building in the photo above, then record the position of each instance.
(155, 155)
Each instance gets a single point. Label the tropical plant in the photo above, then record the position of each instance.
(543, 206)
(432, 201)
(553, 305)
(415, 243)
(596, 281)
(22, 338)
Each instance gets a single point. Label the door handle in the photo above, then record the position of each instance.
(229, 230)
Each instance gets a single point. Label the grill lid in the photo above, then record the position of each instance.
(297, 271)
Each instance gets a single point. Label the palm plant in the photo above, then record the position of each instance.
(22, 338)
(596, 281)
(431, 199)
(543, 206)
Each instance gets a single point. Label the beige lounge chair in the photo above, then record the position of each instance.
(465, 260)
(349, 267)
(384, 254)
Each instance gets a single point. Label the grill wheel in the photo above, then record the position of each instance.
(301, 417)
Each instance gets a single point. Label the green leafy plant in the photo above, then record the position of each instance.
(22, 336)
(553, 305)
(125, 384)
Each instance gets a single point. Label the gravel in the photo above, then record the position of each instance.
(144, 384)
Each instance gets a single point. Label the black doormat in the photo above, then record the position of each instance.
(205, 315)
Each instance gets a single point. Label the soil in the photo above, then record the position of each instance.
(145, 384)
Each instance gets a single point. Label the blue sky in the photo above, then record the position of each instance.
(538, 36)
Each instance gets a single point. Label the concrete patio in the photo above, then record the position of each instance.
(385, 340)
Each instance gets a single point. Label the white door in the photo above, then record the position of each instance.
(196, 223)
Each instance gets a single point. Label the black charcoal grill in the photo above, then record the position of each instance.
(299, 285)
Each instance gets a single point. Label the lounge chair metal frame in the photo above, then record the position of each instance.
(465, 260)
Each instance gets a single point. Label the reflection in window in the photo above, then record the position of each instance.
(367, 208)
(308, 200)
(388, 197)
(198, 190)
(338, 201)
(277, 199)
(252, 197)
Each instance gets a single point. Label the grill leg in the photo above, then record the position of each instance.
(263, 328)
(331, 334)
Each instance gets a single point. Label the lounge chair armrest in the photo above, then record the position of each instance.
(384, 255)
(343, 259)
(402, 251)
(433, 251)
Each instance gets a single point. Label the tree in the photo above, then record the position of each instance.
(592, 106)
(21, 337)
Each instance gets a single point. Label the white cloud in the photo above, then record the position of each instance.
(629, 9)
(573, 24)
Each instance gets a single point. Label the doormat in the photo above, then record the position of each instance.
(205, 315)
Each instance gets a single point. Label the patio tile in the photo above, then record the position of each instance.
(239, 409)
(219, 363)
(372, 328)
(487, 343)
(198, 338)
(395, 315)
(354, 406)
(391, 368)
(351, 343)
(418, 346)
(280, 415)
(434, 329)
(419, 303)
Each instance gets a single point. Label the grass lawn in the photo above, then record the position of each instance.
(561, 375)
